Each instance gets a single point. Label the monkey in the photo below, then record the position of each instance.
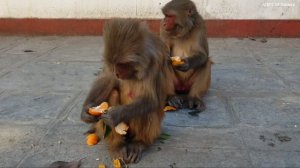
(136, 81)
(183, 30)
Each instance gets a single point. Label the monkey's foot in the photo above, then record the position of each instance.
(176, 101)
(196, 103)
(134, 152)
(130, 153)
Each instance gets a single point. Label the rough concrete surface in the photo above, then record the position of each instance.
(252, 117)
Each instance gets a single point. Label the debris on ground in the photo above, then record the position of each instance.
(263, 40)
(64, 164)
(282, 138)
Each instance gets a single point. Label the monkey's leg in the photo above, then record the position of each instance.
(97, 128)
(117, 145)
(200, 86)
(117, 142)
(114, 98)
(145, 131)
(134, 152)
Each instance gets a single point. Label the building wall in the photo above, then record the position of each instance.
(148, 9)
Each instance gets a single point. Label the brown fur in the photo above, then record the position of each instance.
(139, 98)
(188, 40)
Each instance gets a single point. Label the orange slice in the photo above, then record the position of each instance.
(97, 111)
(169, 108)
(176, 61)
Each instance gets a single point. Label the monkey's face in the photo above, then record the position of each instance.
(133, 67)
(126, 49)
(125, 70)
(177, 25)
(170, 23)
(178, 20)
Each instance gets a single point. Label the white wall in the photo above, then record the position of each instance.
(210, 9)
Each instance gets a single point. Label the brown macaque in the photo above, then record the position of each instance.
(135, 82)
(183, 31)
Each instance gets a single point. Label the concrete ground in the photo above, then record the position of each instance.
(252, 117)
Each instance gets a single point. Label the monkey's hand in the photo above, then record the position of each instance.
(86, 117)
(183, 67)
(111, 117)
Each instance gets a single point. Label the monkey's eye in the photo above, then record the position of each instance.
(170, 16)
(122, 65)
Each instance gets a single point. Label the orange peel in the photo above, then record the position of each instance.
(169, 108)
(176, 60)
(121, 128)
(99, 110)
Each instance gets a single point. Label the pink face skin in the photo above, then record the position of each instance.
(123, 71)
(169, 22)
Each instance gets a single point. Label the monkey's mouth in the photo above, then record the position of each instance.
(175, 31)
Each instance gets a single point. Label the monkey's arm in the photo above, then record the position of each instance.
(195, 61)
(124, 113)
(99, 93)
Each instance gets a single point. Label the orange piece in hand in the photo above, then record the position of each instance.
(97, 111)
(169, 108)
(176, 61)
(92, 139)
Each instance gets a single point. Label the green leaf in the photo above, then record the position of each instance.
(164, 136)
(107, 131)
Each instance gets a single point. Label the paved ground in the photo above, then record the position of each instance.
(252, 117)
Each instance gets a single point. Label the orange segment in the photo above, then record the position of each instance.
(176, 61)
(97, 111)
(169, 108)
(92, 139)
(104, 105)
